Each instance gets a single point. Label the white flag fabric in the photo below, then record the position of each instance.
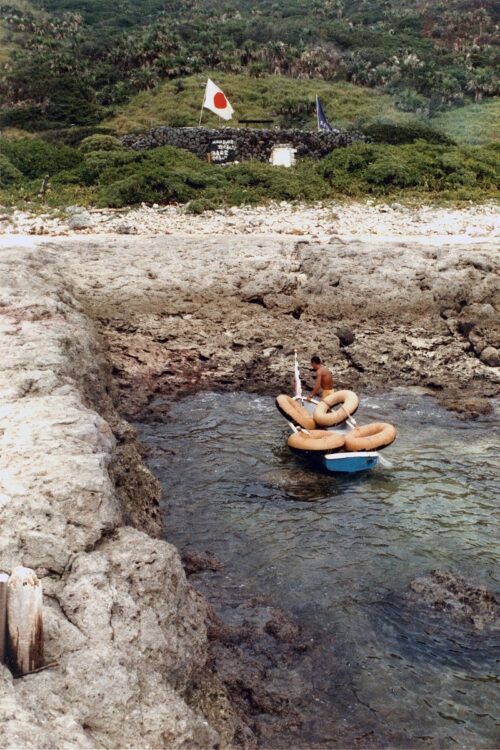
(298, 384)
(215, 100)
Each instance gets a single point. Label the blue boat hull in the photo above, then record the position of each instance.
(344, 463)
(350, 463)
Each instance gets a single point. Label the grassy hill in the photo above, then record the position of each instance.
(474, 124)
(289, 102)
(406, 72)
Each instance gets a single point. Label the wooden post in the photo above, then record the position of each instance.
(3, 615)
(44, 187)
(24, 622)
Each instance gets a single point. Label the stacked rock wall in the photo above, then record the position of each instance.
(249, 143)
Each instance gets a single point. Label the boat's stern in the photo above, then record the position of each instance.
(350, 462)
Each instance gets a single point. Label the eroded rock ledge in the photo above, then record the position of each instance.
(179, 314)
(77, 505)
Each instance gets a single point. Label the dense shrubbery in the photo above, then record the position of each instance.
(106, 174)
(99, 142)
(36, 158)
(69, 66)
(424, 167)
(75, 135)
(9, 175)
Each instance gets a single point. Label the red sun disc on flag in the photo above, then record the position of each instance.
(220, 100)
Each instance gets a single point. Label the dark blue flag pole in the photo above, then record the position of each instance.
(323, 123)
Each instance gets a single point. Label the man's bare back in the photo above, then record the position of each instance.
(324, 378)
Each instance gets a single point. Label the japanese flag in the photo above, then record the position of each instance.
(215, 100)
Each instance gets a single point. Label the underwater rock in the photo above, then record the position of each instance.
(460, 600)
(194, 562)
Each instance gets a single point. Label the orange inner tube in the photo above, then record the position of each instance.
(326, 418)
(321, 441)
(295, 412)
(371, 437)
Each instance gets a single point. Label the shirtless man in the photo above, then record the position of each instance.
(324, 378)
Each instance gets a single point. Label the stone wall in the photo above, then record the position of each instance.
(249, 143)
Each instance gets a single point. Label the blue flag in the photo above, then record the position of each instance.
(323, 123)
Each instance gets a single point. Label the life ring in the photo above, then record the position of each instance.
(319, 441)
(295, 412)
(326, 418)
(371, 437)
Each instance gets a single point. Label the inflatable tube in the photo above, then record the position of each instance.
(295, 412)
(319, 441)
(348, 401)
(370, 437)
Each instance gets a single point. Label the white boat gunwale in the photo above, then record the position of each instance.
(354, 454)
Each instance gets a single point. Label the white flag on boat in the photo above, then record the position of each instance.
(298, 384)
(216, 101)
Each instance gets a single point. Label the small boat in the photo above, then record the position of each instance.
(342, 447)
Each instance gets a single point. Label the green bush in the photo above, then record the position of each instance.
(9, 175)
(263, 182)
(384, 132)
(200, 205)
(150, 183)
(390, 172)
(36, 158)
(381, 169)
(97, 163)
(162, 175)
(344, 166)
(98, 142)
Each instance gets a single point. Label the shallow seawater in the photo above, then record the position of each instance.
(338, 552)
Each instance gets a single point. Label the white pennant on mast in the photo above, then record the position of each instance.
(298, 384)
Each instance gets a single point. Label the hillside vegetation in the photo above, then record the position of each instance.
(289, 102)
(75, 61)
(416, 77)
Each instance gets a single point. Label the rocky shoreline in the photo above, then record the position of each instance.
(342, 220)
(125, 630)
(91, 330)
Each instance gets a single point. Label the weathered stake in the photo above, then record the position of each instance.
(24, 622)
(3, 616)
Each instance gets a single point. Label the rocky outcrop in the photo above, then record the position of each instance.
(125, 632)
(248, 143)
(180, 314)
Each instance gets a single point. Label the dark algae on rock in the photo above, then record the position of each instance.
(458, 601)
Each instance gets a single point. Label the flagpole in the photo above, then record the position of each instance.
(202, 105)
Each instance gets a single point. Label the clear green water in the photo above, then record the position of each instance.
(338, 552)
